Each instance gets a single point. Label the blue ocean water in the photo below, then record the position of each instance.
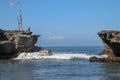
(57, 68)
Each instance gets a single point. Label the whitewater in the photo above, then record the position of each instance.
(65, 63)
(63, 55)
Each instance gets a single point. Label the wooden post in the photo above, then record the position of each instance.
(20, 19)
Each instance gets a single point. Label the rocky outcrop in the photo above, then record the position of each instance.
(111, 41)
(13, 42)
(95, 59)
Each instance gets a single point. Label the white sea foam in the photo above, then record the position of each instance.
(37, 55)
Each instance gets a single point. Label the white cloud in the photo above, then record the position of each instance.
(55, 37)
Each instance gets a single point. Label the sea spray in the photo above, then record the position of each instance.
(37, 55)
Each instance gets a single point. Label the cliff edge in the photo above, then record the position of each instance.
(13, 42)
(111, 42)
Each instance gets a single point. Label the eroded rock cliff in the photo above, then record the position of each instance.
(111, 41)
(13, 42)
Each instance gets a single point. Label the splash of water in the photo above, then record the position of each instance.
(37, 55)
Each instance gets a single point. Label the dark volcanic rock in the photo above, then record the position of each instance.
(111, 41)
(7, 47)
(95, 59)
(13, 42)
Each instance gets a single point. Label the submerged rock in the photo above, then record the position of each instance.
(95, 59)
(13, 42)
(43, 51)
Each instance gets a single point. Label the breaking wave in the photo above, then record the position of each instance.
(37, 55)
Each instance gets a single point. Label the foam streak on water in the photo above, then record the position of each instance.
(37, 55)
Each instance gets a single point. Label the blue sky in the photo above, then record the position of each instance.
(63, 22)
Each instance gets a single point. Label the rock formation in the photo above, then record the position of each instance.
(111, 41)
(13, 42)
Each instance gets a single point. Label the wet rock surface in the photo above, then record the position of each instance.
(95, 59)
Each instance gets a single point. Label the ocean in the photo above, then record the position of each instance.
(66, 63)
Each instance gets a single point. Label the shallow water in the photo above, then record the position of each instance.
(60, 69)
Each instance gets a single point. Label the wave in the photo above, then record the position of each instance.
(37, 55)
